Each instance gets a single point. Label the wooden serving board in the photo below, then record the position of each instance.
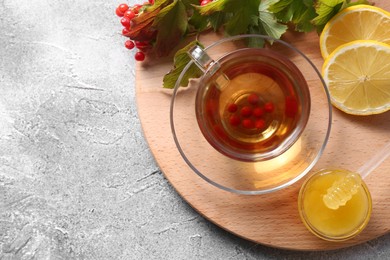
(270, 219)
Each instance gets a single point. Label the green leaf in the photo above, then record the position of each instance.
(298, 12)
(326, 9)
(181, 60)
(255, 42)
(216, 20)
(303, 19)
(171, 23)
(157, 4)
(266, 4)
(236, 16)
(268, 21)
(212, 7)
(279, 6)
(271, 26)
(283, 10)
(242, 16)
(198, 22)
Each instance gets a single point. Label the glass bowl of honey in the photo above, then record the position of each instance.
(256, 120)
(334, 222)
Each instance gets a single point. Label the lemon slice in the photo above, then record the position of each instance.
(359, 22)
(358, 77)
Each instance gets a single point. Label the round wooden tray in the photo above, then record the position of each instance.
(270, 219)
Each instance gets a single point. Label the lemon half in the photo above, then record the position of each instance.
(359, 22)
(358, 77)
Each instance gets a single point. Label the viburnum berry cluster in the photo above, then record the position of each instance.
(127, 14)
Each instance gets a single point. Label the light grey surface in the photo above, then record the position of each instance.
(77, 180)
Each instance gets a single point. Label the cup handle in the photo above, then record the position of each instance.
(205, 63)
(203, 60)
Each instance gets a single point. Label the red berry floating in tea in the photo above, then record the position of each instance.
(260, 124)
(248, 123)
(234, 120)
(246, 111)
(232, 108)
(253, 99)
(258, 112)
(269, 107)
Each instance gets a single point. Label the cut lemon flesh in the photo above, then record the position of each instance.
(359, 22)
(358, 77)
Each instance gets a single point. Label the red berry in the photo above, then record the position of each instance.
(269, 107)
(234, 120)
(136, 8)
(129, 14)
(260, 123)
(125, 22)
(246, 111)
(139, 56)
(125, 31)
(151, 2)
(205, 2)
(118, 12)
(232, 108)
(141, 45)
(123, 8)
(258, 112)
(129, 44)
(247, 123)
(253, 99)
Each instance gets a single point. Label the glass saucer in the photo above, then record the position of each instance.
(251, 177)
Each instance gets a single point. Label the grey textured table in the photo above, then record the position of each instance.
(77, 180)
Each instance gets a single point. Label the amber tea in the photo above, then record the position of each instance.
(254, 106)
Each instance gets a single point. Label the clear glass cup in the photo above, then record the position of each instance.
(274, 144)
(252, 104)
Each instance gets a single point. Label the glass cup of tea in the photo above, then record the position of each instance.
(257, 119)
(252, 104)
